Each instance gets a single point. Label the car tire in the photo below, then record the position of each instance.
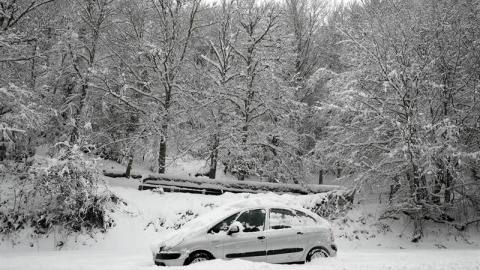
(197, 257)
(317, 252)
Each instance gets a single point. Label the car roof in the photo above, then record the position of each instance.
(226, 210)
(261, 203)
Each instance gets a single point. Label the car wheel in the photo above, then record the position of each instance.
(197, 257)
(319, 252)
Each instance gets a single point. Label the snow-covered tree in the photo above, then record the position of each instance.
(400, 116)
(24, 49)
(219, 60)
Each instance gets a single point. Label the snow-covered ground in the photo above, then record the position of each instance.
(145, 216)
(347, 259)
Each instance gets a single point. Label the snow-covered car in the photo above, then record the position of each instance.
(254, 229)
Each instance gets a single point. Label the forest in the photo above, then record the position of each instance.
(382, 93)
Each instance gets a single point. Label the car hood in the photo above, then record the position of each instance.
(190, 229)
(169, 241)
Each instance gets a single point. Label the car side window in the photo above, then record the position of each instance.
(306, 220)
(223, 225)
(283, 219)
(253, 220)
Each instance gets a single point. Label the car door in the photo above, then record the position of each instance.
(250, 243)
(314, 233)
(217, 235)
(286, 238)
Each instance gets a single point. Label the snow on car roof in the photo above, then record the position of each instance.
(223, 211)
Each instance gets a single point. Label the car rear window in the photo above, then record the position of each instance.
(305, 219)
(283, 219)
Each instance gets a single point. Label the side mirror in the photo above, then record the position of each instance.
(233, 229)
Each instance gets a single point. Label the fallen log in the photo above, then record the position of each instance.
(217, 187)
(117, 175)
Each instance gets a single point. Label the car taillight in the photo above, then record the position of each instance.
(331, 235)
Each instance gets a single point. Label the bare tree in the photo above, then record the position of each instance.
(83, 50)
(305, 18)
(222, 74)
(256, 21)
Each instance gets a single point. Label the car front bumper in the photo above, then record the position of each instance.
(169, 259)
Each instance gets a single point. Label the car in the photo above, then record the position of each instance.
(253, 229)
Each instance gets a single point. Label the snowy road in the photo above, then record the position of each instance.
(348, 259)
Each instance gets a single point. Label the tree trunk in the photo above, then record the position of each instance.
(241, 175)
(417, 186)
(418, 224)
(394, 188)
(75, 135)
(32, 71)
(162, 154)
(437, 188)
(129, 165)
(475, 174)
(423, 188)
(448, 187)
(320, 177)
(214, 158)
(3, 151)
(241, 171)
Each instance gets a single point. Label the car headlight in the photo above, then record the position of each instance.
(165, 245)
(167, 249)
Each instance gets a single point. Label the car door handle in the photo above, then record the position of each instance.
(299, 232)
(261, 237)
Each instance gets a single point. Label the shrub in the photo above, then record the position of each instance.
(65, 191)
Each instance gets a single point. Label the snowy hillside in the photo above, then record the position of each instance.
(143, 217)
(365, 112)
